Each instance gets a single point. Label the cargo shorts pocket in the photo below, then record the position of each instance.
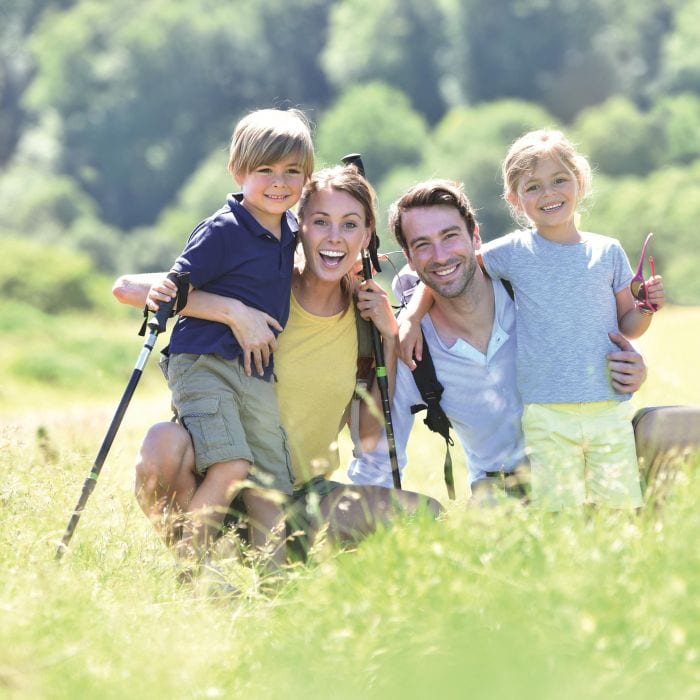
(207, 427)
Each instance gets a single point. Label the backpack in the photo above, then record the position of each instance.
(431, 391)
(363, 377)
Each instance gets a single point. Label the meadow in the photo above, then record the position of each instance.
(484, 603)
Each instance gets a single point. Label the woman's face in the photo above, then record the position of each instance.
(333, 231)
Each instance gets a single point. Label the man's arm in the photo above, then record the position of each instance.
(627, 369)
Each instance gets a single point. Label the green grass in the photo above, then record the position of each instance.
(484, 603)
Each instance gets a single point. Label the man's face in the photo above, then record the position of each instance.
(439, 248)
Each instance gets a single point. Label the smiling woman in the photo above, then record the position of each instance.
(315, 363)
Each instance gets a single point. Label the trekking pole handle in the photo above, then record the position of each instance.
(159, 321)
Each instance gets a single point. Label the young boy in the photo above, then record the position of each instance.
(245, 251)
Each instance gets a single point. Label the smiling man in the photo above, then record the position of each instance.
(470, 331)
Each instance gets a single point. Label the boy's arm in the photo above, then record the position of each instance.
(410, 338)
(632, 319)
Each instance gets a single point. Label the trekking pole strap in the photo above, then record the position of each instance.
(182, 280)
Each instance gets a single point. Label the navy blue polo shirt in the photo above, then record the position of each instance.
(231, 254)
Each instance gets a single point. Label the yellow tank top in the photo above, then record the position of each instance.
(315, 364)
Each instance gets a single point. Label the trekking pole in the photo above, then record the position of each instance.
(155, 325)
(369, 257)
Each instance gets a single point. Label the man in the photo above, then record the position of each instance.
(470, 331)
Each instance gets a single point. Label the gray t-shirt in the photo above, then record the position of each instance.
(565, 306)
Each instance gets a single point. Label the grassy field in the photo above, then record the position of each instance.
(483, 603)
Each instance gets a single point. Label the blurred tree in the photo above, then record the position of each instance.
(677, 117)
(469, 145)
(145, 89)
(375, 120)
(42, 207)
(51, 278)
(666, 202)
(397, 42)
(680, 62)
(18, 19)
(618, 138)
(548, 51)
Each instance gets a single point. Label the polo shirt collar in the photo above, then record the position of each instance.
(290, 226)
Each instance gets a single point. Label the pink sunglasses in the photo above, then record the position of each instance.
(637, 286)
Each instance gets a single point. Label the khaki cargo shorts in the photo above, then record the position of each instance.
(230, 416)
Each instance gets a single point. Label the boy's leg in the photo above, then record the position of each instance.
(611, 458)
(209, 505)
(164, 477)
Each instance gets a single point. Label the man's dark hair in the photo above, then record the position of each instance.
(428, 194)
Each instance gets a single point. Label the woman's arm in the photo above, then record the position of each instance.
(133, 289)
(252, 328)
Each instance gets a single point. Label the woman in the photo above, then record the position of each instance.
(315, 364)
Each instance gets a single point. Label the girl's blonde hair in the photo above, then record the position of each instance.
(526, 152)
(268, 136)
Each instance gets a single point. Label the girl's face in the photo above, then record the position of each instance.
(333, 231)
(548, 196)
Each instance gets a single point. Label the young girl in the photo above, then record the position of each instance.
(572, 288)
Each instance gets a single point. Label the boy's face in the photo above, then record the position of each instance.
(272, 188)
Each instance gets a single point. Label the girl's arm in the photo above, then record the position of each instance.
(633, 321)
(410, 338)
(251, 328)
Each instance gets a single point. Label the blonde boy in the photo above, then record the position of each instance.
(245, 250)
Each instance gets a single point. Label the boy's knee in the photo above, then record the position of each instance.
(229, 473)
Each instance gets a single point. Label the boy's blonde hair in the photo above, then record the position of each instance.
(524, 154)
(268, 136)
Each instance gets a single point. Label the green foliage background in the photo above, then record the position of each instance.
(115, 117)
(114, 123)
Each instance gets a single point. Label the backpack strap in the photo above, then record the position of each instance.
(436, 419)
(509, 288)
(363, 377)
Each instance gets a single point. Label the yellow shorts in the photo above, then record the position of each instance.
(582, 453)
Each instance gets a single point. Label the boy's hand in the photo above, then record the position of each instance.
(655, 291)
(165, 290)
(410, 341)
(627, 369)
